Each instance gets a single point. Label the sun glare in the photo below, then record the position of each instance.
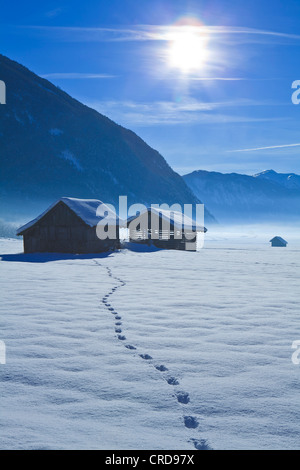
(188, 48)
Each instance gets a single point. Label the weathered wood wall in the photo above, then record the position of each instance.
(278, 243)
(160, 232)
(62, 231)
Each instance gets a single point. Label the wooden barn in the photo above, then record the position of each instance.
(278, 241)
(69, 226)
(164, 229)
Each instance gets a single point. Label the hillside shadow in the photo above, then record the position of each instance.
(140, 247)
(48, 257)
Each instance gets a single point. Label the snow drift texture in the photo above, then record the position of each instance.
(212, 365)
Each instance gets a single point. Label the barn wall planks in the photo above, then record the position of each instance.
(62, 231)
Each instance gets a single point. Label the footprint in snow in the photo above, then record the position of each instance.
(201, 444)
(172, 381)
(183, 397)
(129, 346)
(147, 357)
(161, 368)
(190, 422)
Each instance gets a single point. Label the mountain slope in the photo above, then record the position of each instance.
(237, 198)
(52, 146)
(288, 180)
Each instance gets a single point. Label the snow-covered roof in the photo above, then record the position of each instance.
(280, 239)
(178, 219)
(90, 211)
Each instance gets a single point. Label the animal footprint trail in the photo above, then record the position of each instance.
(147, 357)
(172, 381)
(190, 422)
(183, 398)
(161, 368)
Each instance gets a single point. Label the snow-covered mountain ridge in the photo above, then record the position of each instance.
(235, 197)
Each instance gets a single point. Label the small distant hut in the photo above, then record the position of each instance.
(69, 226)
(278, 241)
(164, 229)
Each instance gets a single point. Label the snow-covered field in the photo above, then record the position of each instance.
(221, 322)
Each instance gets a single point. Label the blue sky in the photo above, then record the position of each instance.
(233, 113)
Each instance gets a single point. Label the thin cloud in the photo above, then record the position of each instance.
(53, 13)
(271, 147)
(217, 78)
(153, 33)
(70, 76)
(76, 75)
(231, 79)
(130, 113)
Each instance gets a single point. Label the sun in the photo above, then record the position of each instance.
(188, 48)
